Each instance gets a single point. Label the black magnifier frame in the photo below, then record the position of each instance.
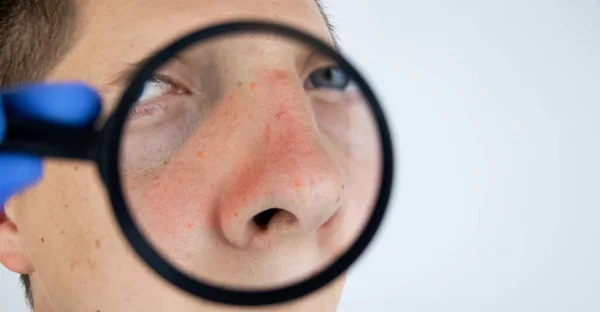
(104, 146)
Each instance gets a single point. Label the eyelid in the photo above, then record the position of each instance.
(159, 77)
(315, 62)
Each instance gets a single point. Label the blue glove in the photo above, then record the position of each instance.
(69, 104)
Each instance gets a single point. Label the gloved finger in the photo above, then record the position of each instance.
(18, 172)
(69, 104)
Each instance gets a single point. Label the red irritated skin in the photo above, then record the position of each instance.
(199, 166)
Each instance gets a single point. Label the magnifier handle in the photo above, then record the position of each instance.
(49, 140)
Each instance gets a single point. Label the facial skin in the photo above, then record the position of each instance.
(264, 141)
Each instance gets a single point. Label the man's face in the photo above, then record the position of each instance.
(78, 258)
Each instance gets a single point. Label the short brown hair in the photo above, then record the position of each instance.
(34, 35)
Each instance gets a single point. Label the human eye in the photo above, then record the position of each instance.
(331, 77)
(154, 87)
(158, 93)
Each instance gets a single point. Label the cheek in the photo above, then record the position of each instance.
(67, 219)
(177, 198)
(174, 201)
(364, 171)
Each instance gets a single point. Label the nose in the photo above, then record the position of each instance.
(286, 183)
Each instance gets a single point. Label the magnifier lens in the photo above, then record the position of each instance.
(251, 161)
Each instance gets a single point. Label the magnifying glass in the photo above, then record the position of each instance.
(247, 163)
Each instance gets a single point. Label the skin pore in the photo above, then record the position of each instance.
(272, 154)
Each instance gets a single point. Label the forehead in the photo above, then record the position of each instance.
(117, 32)
(182, 15)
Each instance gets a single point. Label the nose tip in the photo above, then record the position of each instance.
(264, 221)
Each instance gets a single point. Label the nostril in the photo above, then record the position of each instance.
(263, 219)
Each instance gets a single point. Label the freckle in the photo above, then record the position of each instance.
(67, 207)
(166, 162)
(62, 232)
(236, 214)
(253, 86)
(76, 168)
(239, 84)
(97, 243)
(297, 183)
(200, 154)
(73, 264)
(42, 239)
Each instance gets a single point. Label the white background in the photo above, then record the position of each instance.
(495, 107)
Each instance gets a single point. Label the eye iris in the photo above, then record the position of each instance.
(332, 77)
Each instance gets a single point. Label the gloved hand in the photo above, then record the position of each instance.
(69, 104)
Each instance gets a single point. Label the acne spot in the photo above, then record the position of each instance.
(297, 183)
(98, 243)
(253, 86)
(281, 113)
(200, 154)
(189, 225)
(277, 75)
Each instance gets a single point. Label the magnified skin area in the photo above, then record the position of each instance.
(261, 148)
(264, 141)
